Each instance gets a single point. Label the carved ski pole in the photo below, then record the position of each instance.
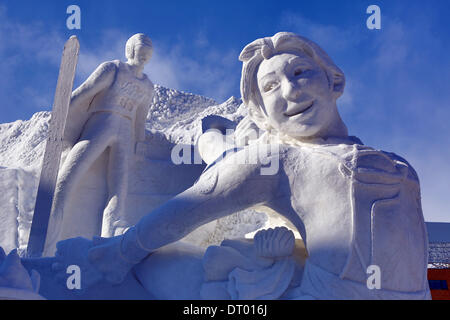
(53, 149)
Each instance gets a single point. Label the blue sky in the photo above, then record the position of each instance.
(397, 96)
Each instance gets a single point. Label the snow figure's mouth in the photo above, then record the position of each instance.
(299, 108)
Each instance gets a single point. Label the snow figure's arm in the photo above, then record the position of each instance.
(139, 127)
(141, 117)
(217, 194)
(99, 80)
(223, 189)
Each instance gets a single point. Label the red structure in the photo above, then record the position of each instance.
(439, 280)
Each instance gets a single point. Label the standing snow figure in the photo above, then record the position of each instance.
(107, 113)
(354, 206)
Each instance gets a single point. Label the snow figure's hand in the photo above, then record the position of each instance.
(74, 252)
(115, 257)
(274, 243)
(246, 130)
(106, 256)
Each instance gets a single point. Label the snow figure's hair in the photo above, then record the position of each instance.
(138, 38)
(265, 48)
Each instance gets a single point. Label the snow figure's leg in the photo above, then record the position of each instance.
(77, 163)
(114, 222)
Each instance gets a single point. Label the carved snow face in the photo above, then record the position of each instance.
(142, 54)
(296, 95)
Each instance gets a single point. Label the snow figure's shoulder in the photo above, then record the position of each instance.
(369, 162)
(114, 63)
(108, 66)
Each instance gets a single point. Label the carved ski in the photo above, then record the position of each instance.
(53, 149)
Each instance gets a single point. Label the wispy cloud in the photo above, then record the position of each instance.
(333, 38)
(212, 73)
(24, 48)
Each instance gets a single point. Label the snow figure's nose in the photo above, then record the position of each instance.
(290, 89)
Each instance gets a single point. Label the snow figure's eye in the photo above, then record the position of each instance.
(298, 72)
(269, 86)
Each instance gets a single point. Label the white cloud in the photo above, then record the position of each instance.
(331, 38)
(23, 46)
(209, 74)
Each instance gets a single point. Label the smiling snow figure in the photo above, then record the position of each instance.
(291, 86)
(355, 207)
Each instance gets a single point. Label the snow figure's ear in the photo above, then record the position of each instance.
(338, 83)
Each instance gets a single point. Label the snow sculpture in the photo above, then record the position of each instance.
(214, 140)
(242, 270)
(355, 207)
(107, 113)
(15, 281)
